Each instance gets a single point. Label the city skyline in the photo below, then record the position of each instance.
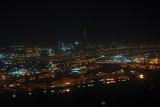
(79, 53)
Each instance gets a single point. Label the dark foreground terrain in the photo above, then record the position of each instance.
(131, 93)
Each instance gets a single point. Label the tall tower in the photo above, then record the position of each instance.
(85, 39)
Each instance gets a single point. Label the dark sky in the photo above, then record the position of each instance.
(45, 21)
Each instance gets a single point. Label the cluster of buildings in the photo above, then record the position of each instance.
(65, 56)
(142, 54)
(20, 64)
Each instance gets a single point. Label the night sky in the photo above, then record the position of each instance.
(46, 22)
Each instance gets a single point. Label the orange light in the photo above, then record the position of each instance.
(14, 96)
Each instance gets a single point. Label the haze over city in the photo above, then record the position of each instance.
(79, 53)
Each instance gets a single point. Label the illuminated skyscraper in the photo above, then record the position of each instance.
(51, 52)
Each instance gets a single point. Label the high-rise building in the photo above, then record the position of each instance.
(60, 46)
(84, 41)
(50, 52)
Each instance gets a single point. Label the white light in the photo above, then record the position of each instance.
(103, 103)
(141, 76)
(67, 90)
(67, 83)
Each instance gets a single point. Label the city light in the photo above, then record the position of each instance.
(79, 53)
(68, 90)
(29, 93)
(141, 76)
(14, 96)
(52, 91)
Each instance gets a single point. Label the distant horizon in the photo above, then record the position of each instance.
(46, 22)
(51, 44)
